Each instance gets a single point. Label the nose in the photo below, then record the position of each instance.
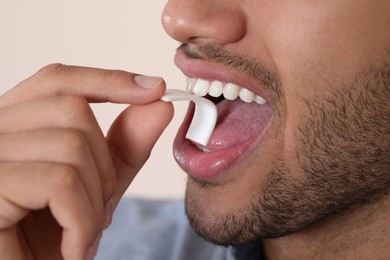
(204, 21)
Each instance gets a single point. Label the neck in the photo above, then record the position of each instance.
(361, 233)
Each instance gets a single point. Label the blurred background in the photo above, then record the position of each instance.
(116, 34)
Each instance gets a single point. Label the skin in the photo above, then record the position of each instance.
(56, 200)
(327, 58)
(317, 186)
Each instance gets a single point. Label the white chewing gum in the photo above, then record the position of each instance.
(205, 115)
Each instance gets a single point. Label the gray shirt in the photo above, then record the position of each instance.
(155, 230)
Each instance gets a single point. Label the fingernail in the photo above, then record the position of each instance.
(147, 82)
(108, 212)
(92, 251)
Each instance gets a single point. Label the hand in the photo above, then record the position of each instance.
(60, 178)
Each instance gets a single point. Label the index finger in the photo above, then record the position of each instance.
(96, 85)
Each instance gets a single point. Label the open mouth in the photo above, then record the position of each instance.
(243, 118)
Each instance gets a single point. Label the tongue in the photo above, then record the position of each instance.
(238, 122)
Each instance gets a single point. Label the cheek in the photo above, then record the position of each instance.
(336, 38)
(315, 48)
(337, 33)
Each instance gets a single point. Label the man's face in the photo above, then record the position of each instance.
(319, 145)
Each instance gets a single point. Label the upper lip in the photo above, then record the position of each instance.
(200, 68)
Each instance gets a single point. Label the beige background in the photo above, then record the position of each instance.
(116, 34)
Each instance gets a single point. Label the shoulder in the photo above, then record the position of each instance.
(151, 230)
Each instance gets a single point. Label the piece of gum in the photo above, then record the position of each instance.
(205, 115)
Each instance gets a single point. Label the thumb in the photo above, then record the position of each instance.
(132, 137)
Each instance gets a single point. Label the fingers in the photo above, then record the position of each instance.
(90, 84)
(60, 130)
(62, 146)
(132, 137)
(96, 85)
(51, 144)
(67, 112)
(57, 186)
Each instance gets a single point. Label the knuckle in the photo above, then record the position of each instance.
(65, 177)
(117, 77)
(53, 76)
(77, 103)
(51, 70)
(74, 143)
(75, 110)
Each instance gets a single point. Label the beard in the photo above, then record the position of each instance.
(343, 159)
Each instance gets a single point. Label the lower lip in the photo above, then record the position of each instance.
(208, 165)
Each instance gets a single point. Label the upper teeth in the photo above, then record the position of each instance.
(230, 91)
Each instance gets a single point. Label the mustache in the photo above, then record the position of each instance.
(253, 68)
